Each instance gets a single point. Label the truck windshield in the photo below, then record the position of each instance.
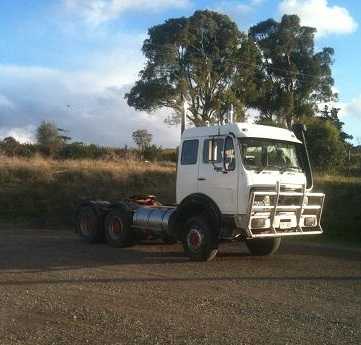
(262, 154)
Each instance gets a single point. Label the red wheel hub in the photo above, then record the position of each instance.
(116, 226)
(87, 224)
(194, 239)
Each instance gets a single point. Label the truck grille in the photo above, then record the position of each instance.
(284, 211)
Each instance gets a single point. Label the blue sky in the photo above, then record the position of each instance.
(71, 61)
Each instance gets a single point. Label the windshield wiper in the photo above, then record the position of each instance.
(261, 168)
(285, 168)
(292, 168)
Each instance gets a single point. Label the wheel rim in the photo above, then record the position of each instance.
(116, 228)
(86, 224)
(194, 239)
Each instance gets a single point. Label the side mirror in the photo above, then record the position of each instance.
(228, 155)
(299, 129)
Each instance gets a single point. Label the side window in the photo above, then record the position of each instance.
(229, 153)
(218, 150)
(189, 152)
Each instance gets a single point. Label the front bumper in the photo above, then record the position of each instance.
(287, 215)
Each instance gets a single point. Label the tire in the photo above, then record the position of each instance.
(90, 224)
(117, 228)
(263, 246)
(199, 241)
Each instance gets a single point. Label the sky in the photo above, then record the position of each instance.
(72, 61)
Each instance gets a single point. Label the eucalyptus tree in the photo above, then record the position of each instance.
(294, 79)
(203, 61)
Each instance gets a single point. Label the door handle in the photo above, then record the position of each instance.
(201, 179)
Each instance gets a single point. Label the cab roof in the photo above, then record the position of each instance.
(242, 130)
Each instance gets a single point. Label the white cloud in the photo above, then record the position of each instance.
(319, 14)
(96, 12)
(92, 107)
(238, 10)
(5, 102)
(21, 134)
(88, 100)
(351, 109)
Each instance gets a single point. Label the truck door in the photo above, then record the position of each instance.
(219, 184)
(187, 169)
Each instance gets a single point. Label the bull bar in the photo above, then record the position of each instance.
(276, 212)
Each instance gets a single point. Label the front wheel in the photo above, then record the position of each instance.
(263, 246)
(199, 241)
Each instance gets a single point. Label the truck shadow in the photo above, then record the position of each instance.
(32, 251)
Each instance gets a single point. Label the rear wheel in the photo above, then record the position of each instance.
(118, 232)
(199, 241)
(263, 246)
(89, 224)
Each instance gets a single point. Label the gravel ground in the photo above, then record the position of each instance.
(56, 289)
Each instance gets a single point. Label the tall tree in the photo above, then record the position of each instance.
(203, 60)
(331, 114)
(293, 78)
(142, 138)
(48, 137)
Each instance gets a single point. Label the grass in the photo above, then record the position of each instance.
(342, 212)
(46, 192)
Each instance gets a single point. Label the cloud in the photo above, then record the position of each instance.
(96, 12)
(90, 106)
(238, 10)
(325, 18)
(5, 102)
(21, 134)
(351, 109)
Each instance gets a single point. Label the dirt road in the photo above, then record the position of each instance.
(56, 289)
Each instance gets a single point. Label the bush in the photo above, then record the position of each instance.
(152, 153)
(12, 148)
(341, 218)
(169, 155)
(83, 151)
(326, 148)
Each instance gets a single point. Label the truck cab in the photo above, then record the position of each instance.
(257, 177)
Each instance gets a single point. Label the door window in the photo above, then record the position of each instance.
(218, 148)
(189, 152)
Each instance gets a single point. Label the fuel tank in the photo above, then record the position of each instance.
(153, 218)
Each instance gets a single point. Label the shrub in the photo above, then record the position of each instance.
(326, 148)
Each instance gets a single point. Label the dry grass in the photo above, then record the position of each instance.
(48, 190)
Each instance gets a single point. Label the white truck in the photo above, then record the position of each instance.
(237, 181)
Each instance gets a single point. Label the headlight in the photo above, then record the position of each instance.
(258, 223)
(267, 201)
(310, 221)
(263, 201)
